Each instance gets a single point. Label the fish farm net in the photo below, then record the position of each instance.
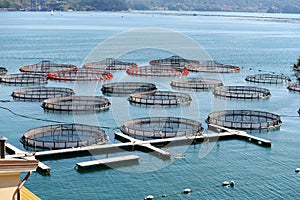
(161, 127)
(242, 92)
(3, 70)
(294, 87)
(174, 60)
(46, 66)
(126, 88)
(41, 93)
(196, 83)
(80, 75)
(213, 67)
(63, 136)
(23, 79)
(160, 98)
(268, 78)
(76, 104)
(244, 119)
(158, 71)
(109, 64)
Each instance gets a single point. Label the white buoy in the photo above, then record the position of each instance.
(297, 170)
(187, 191)
(149, 197)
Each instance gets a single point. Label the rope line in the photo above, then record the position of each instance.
(47, 120)
(183, 192)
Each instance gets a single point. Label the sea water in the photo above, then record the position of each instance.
(258, 43)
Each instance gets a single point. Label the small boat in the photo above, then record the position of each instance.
(297, 170)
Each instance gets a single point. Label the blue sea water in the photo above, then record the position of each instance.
(255, 43)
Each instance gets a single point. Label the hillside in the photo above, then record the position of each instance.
(284, 6)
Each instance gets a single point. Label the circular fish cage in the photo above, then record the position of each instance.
(163, 98)
(63, 136)
(23, 79)
(294, 87)
(158, 71)
(41, 93)
(109, 64)
(80, 75)
(161, 127)
(76, 104)
(3, 70)
(244, 119)
(213, 67)
(46, 66)
(174, 60)
(126, 88)
(242, 92)
(196, 83)
(268, 78)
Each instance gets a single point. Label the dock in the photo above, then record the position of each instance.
(108, 162)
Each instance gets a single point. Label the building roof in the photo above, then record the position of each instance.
(17, 165)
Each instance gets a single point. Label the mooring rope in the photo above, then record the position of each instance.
(47, 120)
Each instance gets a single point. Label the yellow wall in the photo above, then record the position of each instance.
(8, 184)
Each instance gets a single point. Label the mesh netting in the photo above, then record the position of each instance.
(76, 103)
(174, 60)
(41, 93)
(23, 79)
(126, 88)
(244, 119)
(62, 136)
(80, 75)
(213, 67)
(161, 127)
(196, 83)
(160, 98)
(3, 70)
(294, 87)
(268, 78)
(109, 64)
(46, 66)
(158, 70)
(242, 92)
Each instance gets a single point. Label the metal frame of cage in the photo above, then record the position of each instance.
(158, 71)
(294, 87)
(62, 136)
(81, 74)
(41, 93)
(160, 98)
(77, 103)
(109, 64)
(242, 92)
(162, 127)
(24, 79)
(244, 119)
(46, 66)
(196, 83)
(268, 79)
(126, 88)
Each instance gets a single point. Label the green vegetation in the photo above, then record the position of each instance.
(271, 6)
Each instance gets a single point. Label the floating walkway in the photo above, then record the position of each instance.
(132, 144)
(108, 162)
